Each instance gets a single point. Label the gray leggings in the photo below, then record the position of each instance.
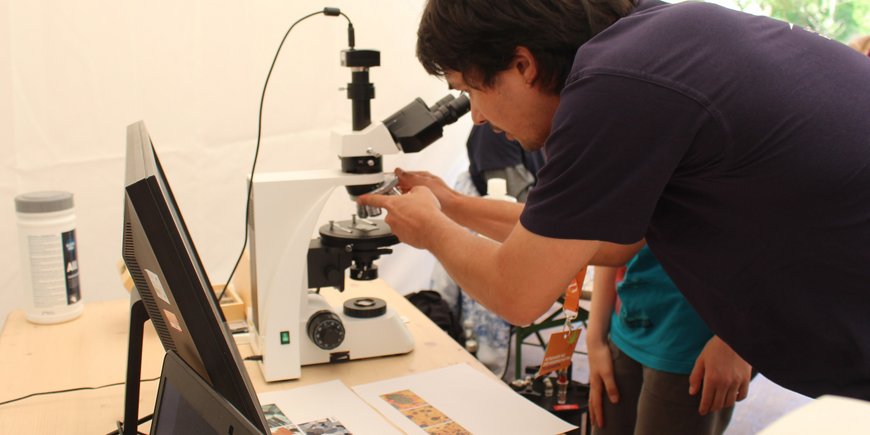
(652, 402)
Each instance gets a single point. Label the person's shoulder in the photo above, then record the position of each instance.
(658, 7)
(654, 31)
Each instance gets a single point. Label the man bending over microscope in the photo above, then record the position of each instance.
(729, 143)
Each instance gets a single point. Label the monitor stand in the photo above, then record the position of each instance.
(138, 317)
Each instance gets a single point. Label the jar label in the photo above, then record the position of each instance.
(54, 270)
(71, 267)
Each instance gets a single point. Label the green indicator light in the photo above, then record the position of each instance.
(285, 337)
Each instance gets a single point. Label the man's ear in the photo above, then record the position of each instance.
(525, 64)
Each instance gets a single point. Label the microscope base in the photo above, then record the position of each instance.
(364, 338)
(372, 337)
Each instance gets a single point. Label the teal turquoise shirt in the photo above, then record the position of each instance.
(654, 324)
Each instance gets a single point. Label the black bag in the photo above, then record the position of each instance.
(436, 308)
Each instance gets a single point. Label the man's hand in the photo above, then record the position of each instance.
(601, 380)
(724, 375)
(410, 179)
(411, 216)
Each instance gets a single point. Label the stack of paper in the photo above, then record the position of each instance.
(456, 400)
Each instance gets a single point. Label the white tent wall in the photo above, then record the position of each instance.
(73, 75)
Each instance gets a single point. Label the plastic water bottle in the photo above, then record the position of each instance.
(496, 188)
(49, 256)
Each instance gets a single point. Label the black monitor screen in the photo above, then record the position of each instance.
(171, 282)
(186, 404)
(178, 416)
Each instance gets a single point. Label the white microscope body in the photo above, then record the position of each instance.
(292, 326)
(281, 232)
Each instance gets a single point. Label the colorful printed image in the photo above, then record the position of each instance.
(422, 414)
(405, 399)
(426, 416)
(449, 428)
(279, 424)
(326, 426)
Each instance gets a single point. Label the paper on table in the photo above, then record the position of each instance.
(329, 399)
(827, 414)
(478, 403)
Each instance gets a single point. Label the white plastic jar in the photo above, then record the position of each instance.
(49, 256)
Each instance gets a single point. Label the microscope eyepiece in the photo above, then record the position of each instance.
(416, 126)
(448, 109)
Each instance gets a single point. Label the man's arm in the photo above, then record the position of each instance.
(493, 219)
(518, 279)
(615, 255)
(496, 219)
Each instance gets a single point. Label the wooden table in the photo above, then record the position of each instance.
(91, 351)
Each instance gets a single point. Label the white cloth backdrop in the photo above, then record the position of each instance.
(73, 75)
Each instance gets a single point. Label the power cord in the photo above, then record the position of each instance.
(70, 390)
(331, 12)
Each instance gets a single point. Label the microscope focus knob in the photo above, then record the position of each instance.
(325, 330)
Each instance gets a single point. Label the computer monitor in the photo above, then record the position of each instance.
(172, 283)
(186, 404)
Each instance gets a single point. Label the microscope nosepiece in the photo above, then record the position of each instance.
(390, 186)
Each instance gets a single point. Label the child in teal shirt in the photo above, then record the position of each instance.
(651, 354)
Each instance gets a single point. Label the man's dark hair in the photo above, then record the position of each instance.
(478, 37)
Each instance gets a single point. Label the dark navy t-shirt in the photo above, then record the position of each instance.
(739, 147)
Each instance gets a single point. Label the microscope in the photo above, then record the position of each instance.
(291, 323)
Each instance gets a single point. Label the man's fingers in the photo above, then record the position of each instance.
(696, 377)
(407, 179)
(401, 173)
(719, 400)
(743, 391)
(380, 201)
(730, 398)
(707, 396)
